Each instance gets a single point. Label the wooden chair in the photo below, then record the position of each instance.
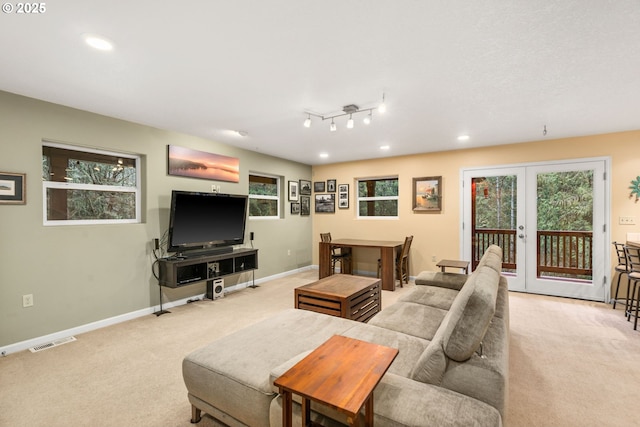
(402, 262)
(622, 268)
(342, 257)
(633, 297)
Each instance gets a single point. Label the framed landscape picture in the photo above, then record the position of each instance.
(305, 187)
(318, 186)
(12, 188)
(325, 203)
(427, 194)
(199, 164)
(295, 208)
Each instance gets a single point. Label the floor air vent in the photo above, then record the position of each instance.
(52, 344)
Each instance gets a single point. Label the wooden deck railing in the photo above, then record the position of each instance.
(506, 239)
(559, 252)
(565, 252)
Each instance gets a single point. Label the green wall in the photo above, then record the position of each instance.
(84, 274)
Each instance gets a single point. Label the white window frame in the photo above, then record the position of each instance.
(264, 197)
(91, 187)
(380, 198)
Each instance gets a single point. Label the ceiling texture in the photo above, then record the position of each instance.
(498, 71)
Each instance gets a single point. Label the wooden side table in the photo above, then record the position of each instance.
(463, 265)
(342, 374)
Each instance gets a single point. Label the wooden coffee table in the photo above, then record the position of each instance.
(342, 374)
(343, 295)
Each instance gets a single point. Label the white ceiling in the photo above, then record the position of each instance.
(496, 70)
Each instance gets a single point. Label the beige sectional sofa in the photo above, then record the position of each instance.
(452, 333)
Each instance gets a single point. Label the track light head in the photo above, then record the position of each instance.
(307, 122)
(350, 122)
(382, 107)
(333, 126)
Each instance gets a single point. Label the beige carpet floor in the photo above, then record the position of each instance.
(573, 363)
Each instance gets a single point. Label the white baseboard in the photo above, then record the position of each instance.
(24, 345)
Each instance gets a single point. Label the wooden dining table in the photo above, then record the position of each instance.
(633, 243)
(387, 257)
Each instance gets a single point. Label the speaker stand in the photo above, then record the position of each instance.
(253, 280)
(161, 311)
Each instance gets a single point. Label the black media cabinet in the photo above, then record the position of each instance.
(177, 272)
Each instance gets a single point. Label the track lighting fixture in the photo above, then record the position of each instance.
(347, 110)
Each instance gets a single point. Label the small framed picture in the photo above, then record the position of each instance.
(343, 196)
(305, 187)
(293, 190)
(331, 186)
(318, 187)
(427, 194)
(13, 188)
(305, 205)
(295, 208)
(325, 203)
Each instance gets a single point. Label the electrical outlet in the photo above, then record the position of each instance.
(288, 251)
(27, 300)
(433, 258)
(627, 220)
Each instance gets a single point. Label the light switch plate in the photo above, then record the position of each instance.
(627, 220)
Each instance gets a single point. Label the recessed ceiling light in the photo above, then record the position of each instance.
(384, 147)
(463, 138)
(98, 42)
(324, 155)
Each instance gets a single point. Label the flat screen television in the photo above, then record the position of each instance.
(206, 221)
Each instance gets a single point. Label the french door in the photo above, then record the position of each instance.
(549, 219)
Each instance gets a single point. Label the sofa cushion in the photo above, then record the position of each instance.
(441, 279)
(401, 402)
(433, 296)
(432, 363)
(419, 320)
(279, 370)
(470, 314)
(486, 369)
(492, 258)
(409, 347)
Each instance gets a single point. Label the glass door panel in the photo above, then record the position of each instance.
(495, 217)
(568, 230)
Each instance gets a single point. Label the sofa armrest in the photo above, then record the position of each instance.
(453, 281)
(400, 402)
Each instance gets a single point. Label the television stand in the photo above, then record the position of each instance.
(175, 272)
